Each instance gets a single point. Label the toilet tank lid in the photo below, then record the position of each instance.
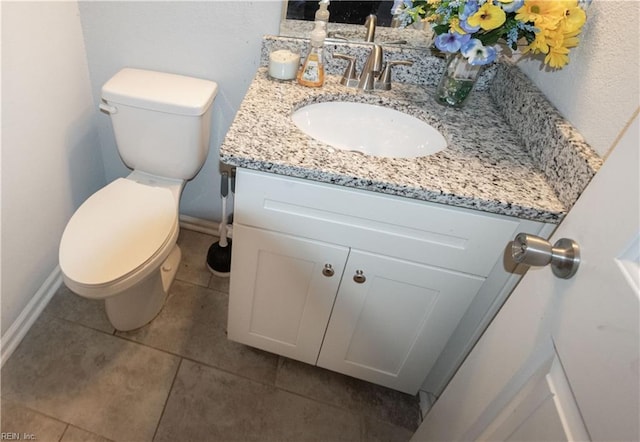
(159, 91)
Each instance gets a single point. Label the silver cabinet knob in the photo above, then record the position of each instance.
(532, 250)
(359, 277)
(328, 270)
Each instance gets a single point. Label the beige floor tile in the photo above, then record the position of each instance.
(210, 405)
(24, 423)
(350, 393)
(193, 266)
(193, 324)
(75, 434)
(89, 312)
(92, 380)
(379, 431)
(219, 283)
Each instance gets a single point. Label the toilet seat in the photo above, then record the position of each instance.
(117, 232)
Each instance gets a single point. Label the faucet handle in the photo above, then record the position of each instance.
(349, 78)
(384, 81)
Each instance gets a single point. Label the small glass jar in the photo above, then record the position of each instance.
(457, 81)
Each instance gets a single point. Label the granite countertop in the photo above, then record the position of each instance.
(486, 166)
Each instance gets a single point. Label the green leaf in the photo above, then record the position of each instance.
(441, 29)
(490, 38)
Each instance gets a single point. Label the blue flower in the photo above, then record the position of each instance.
(466, 27)
(527, 27)
(513, 6)
(470, 8)
(477, 54)
(451, 41)
(399, 5)
(512, 37)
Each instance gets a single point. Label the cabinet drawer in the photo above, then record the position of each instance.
(419, 231)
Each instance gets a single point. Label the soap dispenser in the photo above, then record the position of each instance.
(322, 14)
(312, 71)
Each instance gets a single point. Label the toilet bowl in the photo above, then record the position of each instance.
(120, 245)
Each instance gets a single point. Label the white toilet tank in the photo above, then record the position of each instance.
(161, 121)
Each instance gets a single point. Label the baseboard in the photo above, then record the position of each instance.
(426, 402)
(14, 335)
(202, 225)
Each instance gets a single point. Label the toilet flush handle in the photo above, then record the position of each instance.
(108, 108)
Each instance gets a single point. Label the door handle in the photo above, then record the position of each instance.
(564, 255)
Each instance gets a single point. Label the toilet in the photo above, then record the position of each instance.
(120, 245)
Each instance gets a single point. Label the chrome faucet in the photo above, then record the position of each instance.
(370, 23)
(371, 68)
(375, 74)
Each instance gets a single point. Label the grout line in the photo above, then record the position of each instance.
(195, 361)
(193, 283)
(205, 364)
(71, 321)
(64, 432)
(363, 414)
(200, 285)
(36, 411)
(164, 407)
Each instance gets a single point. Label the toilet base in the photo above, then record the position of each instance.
(140, 304)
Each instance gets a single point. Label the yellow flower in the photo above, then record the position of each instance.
(544, 13)
(574, 18)
(454, 25)
(570, 41)
(538, 45)
(488, 17)
(557, 57)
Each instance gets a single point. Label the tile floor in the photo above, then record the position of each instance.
(74, 378)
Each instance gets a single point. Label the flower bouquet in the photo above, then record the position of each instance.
(473, 32)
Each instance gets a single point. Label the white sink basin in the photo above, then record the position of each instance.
(369, 129)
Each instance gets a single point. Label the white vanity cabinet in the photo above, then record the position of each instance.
(370, 285)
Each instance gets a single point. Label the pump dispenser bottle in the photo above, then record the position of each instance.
(322, 14)
(312, 71)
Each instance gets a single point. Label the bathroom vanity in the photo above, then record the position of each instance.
(388, 269)
(366, 284)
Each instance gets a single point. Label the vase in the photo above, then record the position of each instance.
(457, 81)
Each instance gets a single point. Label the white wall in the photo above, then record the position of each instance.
(50, 150)
(598, 91)
(56, 145)
(217, 40)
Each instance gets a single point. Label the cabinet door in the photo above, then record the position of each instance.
(390, 328)
(280, 299)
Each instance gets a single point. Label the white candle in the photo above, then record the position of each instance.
(283, 64)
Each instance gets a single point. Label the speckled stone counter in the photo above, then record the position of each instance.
(486, 165)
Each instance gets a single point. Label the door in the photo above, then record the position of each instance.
(392, 318)
(282, 291)
(561, 359)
